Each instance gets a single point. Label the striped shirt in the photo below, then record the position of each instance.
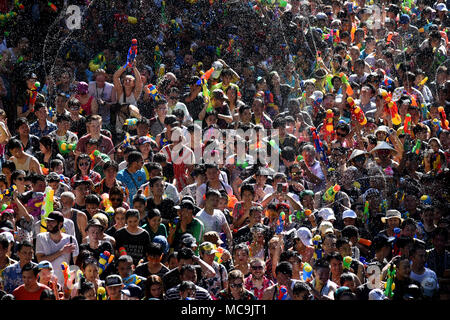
(200, 293)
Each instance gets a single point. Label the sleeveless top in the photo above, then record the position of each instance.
(23, 166)
(131, 99)
(87, 107)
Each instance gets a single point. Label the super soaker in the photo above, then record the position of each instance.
(47, 207)
(319, 146)
(317, 240)
(331, 193)
(390, 285)
(132, 53)
(307, 272)
(105, 259)
(392, 107)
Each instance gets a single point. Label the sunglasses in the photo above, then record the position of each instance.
(341, 134)
(84, 164)
(257, 267)
(115, 199)
(20, 178)
(236, 285)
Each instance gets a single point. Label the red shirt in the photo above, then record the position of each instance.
(258, 292)
(20, 293)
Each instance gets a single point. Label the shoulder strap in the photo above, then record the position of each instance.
(134, 181)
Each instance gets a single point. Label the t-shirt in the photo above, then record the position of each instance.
(427, 274)
(132, 181)
(20, 293)
(142, 270)
(216, 283)
(135, 244)
(46, 246)
(212, 222)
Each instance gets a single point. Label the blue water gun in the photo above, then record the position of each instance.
(132, 53)
(319, 146)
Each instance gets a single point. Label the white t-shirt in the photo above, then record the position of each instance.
(46, 246)
(420, 277)
(212, 222)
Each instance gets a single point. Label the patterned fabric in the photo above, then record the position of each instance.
(36, 130)
(12, 277)
(258, 292)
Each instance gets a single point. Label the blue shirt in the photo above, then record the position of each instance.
(36, 129)
(127, 178)
(12, 277)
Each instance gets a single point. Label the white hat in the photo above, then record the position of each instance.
(382, 145)
(392, 214)
(376, 294)
(317, 95)
(305, 236)
(349, 214)
(356, 153)
(327, 214)
(9, 236)
(441, 7)
(382, 129)
(429, 286)
(326, 227)
(218, 67)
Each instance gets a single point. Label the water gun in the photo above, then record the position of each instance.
(426, 199)
(32, 97)
(365, 242)
(328, 123)
(307, 272)
(175, 26)
(101, 293)
(47, 207)
(133, 279)
(425, 112)
(125, 18)
(443, 116)
(218, 255)
(397, 232)
(274, 145)
(317, 240)
(93, 155)
(357, 112)
(366, 213)
(127, 141)
(157, 57)
(331, 193)
(66, 273)
(105, 259)
(383, 206)
(389, 37)
(344, 80)
(426, 27)
(8, 192)
(65, 147)
(107, 204)
(130, 122)
(407, 124)
(152, 91)
(280, 225)
(203, 81)
(390, 285)
(392, 107)
(52, 6)
(319, 146)
(132, 53)
(416, 148)
(122, 251)
(346, 262)
(282, 293)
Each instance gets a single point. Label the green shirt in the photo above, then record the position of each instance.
(162, 231)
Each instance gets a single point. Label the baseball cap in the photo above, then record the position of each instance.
(133, 291)
(218, 67)
(188, 240)
(327, 214)
(404, 19)
(53, 176)
(376, 294)
(207, 247)
(45, 264)
(349, 214)
(317, 95)
(429, 286)
(163, 242)
(55, 216)
(441, 7)
(80, 182)
(144, 140)
(185, 204)
(113, 280)
(305, 236)
(94, 223)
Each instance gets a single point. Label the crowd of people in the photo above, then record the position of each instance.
(107, 188)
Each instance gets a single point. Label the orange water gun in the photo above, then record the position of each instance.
(443, 116)
(328, 123)
(407, 124)
(392, 107)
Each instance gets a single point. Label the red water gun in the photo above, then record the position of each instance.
(392, 107)
(52, 6)
(407, 124)
(357, 113)
(444, 121)
(132, 53)
(328, 125)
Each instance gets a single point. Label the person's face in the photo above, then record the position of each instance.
(65, 78)
(158, 188)
(345, 250)
(189, 276)
(156, 290)
(213, 201)
(210, 120)
(45, 275)
(283, 277)
(200, 179)
(257, 269)
(186, 214)
(116, 200)
(241, 257)
(247, 196)
(114, 292)
(161, 111)
(94, 233)
(349, 221)
(404, 269)
(438, 243)
(246, 116)
(24, 129)
(29, 279)
(329, 245)
(133, 222)
(92, 208)
(90, 295)
(309, 157)
(139, 206)
(19, 180)
(25, 255)
(212, 174)
(393, 223)
(350, 284)
(125, 269)
(336, 267)
(409, 231)
(119, 219)
(128, 81)
(142, 129)
(154, 222)
(100, 80)
(110, 173)
(94, 126)
(322, 274)
(258, 108)
(256, 216)
(91, 272)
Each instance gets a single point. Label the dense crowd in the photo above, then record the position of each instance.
(225, 150)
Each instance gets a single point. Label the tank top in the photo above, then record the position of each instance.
(87, 107)
(23, 166)
(128, 100)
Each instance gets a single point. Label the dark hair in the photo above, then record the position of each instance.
(47, 294)
(30, 267)
(111, 164)
(55, 162)
(350, 231)
(35, 177)
(62, 117)
(139, 198)
(334, 255)
(85, 286)
(299, 287)
(125, 258)
(284, 267)
(20, 121)
(4, 242)
(9, 165)
(345, 276)
(440, 232)
(186, 285)
(14, 143)
(321, 263)
(131, 213)
(288, 153)
(134, 156)
(212, 192)
(185, 254)
(185, 268)
(22, 244)
(154, 180)
(154, 249)
(92, 199)
(159, 157)
(341, 241)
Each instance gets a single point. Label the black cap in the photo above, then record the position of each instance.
(188, 240)
(133, 291)
(55, 216)
(186, 204)
(94, 223)
(113, 280)
(80, 182)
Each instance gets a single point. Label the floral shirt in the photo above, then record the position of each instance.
(12, 277)
(258, 292)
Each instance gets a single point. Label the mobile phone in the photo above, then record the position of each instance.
(279, 187)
